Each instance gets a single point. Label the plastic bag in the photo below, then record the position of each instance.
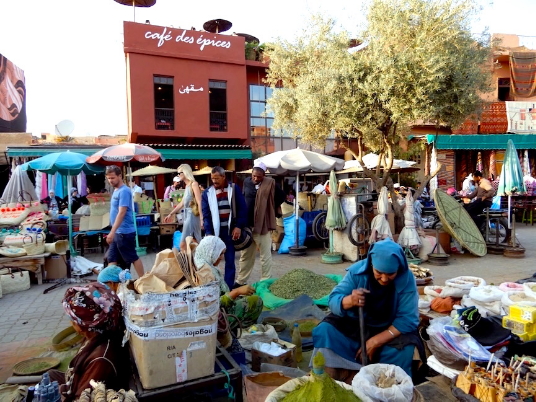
(465, 282)
(444, 291)
(439, 346)
(177, 239)
(485, 309)
(364, 383)
(486, 294)
(261, 333)
(530, 289)
(455, 247)
(510, 286)
(289, 240)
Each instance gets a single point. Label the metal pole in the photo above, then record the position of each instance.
(296, 210)
(363, 340)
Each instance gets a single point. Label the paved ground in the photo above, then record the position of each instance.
(29, 319)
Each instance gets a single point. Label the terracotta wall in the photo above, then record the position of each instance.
(446, 177)
(191, 58)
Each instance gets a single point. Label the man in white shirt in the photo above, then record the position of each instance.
(135, 188)
(484, 193)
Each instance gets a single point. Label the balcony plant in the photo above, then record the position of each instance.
(251, 50)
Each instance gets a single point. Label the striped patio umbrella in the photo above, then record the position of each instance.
(479, 165)
(526, 163)
(493, 164)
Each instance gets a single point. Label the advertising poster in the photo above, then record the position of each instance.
(12, 98)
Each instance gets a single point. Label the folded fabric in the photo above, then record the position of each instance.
(487, 332)
(443, 305)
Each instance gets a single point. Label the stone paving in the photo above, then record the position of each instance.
(29, 319)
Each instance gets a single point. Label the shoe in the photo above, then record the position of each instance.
(236, 285)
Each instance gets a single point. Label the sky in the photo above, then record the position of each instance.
(72, 55)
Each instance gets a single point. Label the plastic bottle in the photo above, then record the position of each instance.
(30, 394)
(56, 387)
(296, 340)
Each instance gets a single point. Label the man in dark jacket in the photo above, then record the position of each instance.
(263, 199)
(217, 205)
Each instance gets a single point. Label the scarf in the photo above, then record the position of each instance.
(264, 214)
(213, 206)
(206, 253)
(94, 307)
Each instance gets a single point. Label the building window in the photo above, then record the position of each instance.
(504, 89)
(217, 98)
(164, 112)
(260, 119)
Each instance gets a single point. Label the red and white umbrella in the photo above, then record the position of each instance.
(125, 153)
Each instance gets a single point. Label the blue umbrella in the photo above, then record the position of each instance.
(67, 164)
(511, 181)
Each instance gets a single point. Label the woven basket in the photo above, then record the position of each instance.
(35, 366)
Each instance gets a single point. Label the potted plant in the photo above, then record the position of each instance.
(250, 49)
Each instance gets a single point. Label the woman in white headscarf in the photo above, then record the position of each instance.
(240, 302)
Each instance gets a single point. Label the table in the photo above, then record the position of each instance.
(90, 233)
(27, 262)
(183, 391)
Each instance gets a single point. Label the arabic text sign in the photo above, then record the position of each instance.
(187, 89)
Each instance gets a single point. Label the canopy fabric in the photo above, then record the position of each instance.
(379, 227)
(335, 218)
(188, 154)
(482, 142)
(372, 160)
(125, 153)
(408, 236)
(65, 163)
(208, 170)
(19, 182)
(511, 180)
(152, 170)
(300, 161)
(37, 151)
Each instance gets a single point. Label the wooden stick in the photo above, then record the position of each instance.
(490, 360)
(517, 382)
(527, 380)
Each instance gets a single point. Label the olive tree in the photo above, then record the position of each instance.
(418, 61)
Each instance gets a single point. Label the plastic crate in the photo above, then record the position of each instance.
(526, 313)
(517, 325)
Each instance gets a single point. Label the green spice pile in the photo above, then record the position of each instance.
(307, 326)
(302, 282)
(320, 387)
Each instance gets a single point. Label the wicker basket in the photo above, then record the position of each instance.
(34, 247)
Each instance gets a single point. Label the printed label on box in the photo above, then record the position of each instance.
(196, 345)
(181, 367)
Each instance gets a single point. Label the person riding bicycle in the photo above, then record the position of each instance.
(484, 193)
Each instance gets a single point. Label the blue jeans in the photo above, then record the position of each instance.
(230, 268)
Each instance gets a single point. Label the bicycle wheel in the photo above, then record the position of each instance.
(492, 230)
(319, 227)
(359, 230)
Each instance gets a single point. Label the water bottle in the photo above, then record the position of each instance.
(56, 387)
(30, 394)
(296, 340)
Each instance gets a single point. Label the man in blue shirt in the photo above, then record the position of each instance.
(122, 236)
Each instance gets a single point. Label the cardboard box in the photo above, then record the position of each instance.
(287, 359)
(165, 212)
(173, 354)
(167, 228)
(55, 267)
(278, 234)
(94, 222)
(173, 336)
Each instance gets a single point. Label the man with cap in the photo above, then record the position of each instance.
(172, 187)
(263, 199)
(385, 289)
(218, 220)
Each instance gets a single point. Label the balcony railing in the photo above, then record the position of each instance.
(218, 121)
(164, 119)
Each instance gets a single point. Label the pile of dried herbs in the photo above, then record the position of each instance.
(302, 282)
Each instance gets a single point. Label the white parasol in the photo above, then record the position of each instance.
(379, 227)
(19, 181)
(409, 238)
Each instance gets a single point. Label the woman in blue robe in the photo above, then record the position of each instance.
(385, 288)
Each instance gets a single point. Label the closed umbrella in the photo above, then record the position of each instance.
(294, 162)
(379, 227)
(335, 218)
(19, 181)
(511, 182)
(409, 238)
(479, 165)
(67, 164)
(526, 163)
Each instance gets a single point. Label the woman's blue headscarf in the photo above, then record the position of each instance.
(388, 257)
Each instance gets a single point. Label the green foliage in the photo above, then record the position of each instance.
(421, 63)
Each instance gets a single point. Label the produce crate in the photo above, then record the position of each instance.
(526, 313)
(167, 228)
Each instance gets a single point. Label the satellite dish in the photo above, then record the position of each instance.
(64, 128)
